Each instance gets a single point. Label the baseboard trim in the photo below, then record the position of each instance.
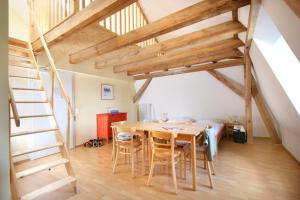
(291, 154)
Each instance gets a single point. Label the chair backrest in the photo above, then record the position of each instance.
(210, 143)
(162, 142)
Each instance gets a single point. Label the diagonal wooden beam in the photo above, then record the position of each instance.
(197, 68)
(294, 5)
(181, 55)
(141, 91)
(264, 112)
(195, 13)
(189, 61)
(211, 34)
(262, 107)
(231, 84)
(95, 11)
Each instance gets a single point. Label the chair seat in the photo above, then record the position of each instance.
(123, 136)
(182, 142)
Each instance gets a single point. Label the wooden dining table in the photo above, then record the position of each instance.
(184, 131)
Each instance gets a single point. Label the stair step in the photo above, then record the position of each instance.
(20, 62)
(32, 150)
(22, 66)
(13, 47)
(19, 58)
(32, 89)
(40, 168)
(33, 116)
(24, 77)
(33, 132)
(49, 188)
(32, 101)
(21, 55)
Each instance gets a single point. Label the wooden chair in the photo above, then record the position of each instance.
(164, 153)
(185, 148)
(126, 143)
(207, 163)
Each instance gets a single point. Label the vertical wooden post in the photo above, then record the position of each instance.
(254, 8)
(248, 99)
(76, 6)
(83, 4)
(32, 35)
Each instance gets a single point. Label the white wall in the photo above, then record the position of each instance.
(88, 103)
(268, 25)
(18, 19)
(200, 96)
(287, 118)
(4, 120)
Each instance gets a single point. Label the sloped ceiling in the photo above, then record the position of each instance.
(285, 115)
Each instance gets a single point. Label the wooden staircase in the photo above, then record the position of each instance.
(23, 66)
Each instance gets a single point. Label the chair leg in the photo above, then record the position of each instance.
(116, 159)
(180, 166)
(184, 166)
(174, 176)
(151, 170)
(125, 150)
(213, 168)
(204, 161)
(209, 175)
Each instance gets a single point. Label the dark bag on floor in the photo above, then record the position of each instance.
(239, 137)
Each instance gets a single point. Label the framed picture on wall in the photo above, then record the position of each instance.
(107, 92)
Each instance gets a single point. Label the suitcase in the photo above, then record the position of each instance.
(239, 136)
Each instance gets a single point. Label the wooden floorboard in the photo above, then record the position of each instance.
(243, 171)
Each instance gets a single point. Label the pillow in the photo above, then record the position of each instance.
(181, 119)
(210, 121)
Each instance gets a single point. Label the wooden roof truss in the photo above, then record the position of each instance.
(204, 50)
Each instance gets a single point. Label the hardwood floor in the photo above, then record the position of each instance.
(243, 171)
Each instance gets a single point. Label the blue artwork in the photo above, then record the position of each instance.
(106, 92)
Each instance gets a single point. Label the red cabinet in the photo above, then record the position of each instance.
(104, 122)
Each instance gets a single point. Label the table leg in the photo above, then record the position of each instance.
(143, 154)
(114, 148)
(149, 154)
(193, 157)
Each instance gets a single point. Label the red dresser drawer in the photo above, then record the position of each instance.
(104, 123)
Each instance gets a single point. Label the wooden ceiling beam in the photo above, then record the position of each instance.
(95, 11)
(189, 61)
(211, 34)
(181, 55)
(195, 13)
(190, 69)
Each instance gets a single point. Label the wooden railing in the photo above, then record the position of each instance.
(128, 19)
(50, 13)
(54, 75)
(14, 108)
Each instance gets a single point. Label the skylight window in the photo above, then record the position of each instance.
(279, 56)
